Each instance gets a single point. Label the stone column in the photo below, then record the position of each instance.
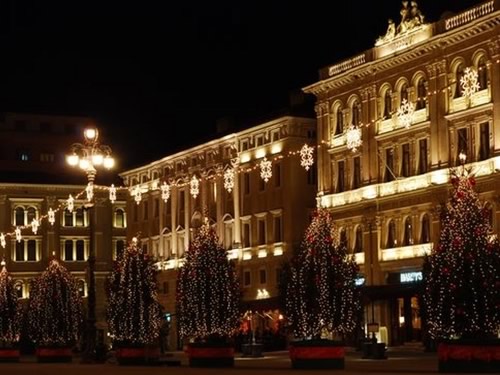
(236, 202)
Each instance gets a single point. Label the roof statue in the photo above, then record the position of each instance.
(411, 19)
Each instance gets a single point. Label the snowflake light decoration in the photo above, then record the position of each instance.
(137, 195)
(112, 193)
(19, 237)
(469, 82)
(353, 138)
(165, 192)
(306, 156)
(70, 203)
(34, 226)
(2, 240)
(405, 113)
(194, 185)
(52, 216)
(266, 171)
(229, 179)
(90, 191)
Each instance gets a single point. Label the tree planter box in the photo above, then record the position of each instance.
(54, 354)
(210, 354)
(137, 355)
(469, 356)
(317, 354)
(9, 355)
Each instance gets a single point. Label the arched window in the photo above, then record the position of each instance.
(387, 104)
(421, 94)
(358, 247)
(31, 214)
(408, 234)
(482, 72)
(19, 213)
(339, 129)
(119, 218)
(356, 113)
(459, 73)
(425, 236)
(403, 93)
(391, 234)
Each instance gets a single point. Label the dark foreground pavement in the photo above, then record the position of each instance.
(400, 361)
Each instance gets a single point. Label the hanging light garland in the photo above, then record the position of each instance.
(306, 156)
(469, 82)
(112, 193)
(51, 216)
(405, 113)
(165, 192)
(353, 138)
(229, 179)
(266, 171)
(194, 187)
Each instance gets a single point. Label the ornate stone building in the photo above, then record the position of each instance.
(411, 104)
(258, 222)
(35, 178)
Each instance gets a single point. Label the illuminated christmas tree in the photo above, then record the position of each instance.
(55, 308)
(134, 314)
(321, 296)
(207, 290)
(9, 310)
(462, 274)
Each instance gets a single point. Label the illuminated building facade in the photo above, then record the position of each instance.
(395, 118)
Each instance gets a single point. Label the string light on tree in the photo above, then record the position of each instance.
(194, 187)
(229, 179)
(405, 113)
(469, 82)
(165, 192)
(353, 138)
(9, 310)
(112, 193)
(306, 156)
(51, 216)
(266, 170)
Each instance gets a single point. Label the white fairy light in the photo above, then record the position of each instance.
(229, 179)
(194, 187)
(70, 203)
(19, 237)
(3, 243)
(165, 192)
(266, 170)
(52, 216)
(353, 138)
(137, 195)
(34, 226)
(306, 156)
(469, 82)
(112, 193)
(405, 113)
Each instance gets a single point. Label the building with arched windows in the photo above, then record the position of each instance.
(410, 105)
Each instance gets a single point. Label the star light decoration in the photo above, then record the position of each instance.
(34, 226)
(194, 185)
(266, 170)
(52, 216)
(306, 156)
(70, 203)
(90, 191)
(165, 192)
(112, 193)
(353, 138)
(229, 179)
(469, 82)
(405, 113)
(19, 237)
(137, 195)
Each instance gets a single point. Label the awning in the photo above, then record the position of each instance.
(378, 292)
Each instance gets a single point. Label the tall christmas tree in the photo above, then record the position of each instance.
(55, 308)
(462, 274)
(207, 290)
(321, 296)
(9, 310)
(134, 314)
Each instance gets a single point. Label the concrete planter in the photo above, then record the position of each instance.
(469, 356)
(317, 354)
(210, 354)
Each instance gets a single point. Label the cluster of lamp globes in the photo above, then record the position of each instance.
(91, 154)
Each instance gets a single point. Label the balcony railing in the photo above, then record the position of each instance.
(406, 252)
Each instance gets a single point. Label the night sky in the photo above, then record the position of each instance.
(158, 74)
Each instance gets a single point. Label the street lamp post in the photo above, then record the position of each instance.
(89, 156)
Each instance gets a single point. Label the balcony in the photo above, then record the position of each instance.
(406, 252)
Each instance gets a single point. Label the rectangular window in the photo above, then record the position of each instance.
(405, 168)
(247, 279)
(262, 276)
(68, 218)
(341, 176)
(259, 140)
(389, 165)
(80, 250)
(246, 235)
(275, 136)
(79, 217)
(20, 251)
(68, 250)
(31, 250)
(277, 175)
(422, 156)
(484, 146)
(278, 237)
(262, 232)
(463, 143)
(356, 179)
(244, 145)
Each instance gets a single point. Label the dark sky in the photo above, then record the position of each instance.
(157, 74)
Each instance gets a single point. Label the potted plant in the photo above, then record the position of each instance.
(208, 301)
(55, 314)
(134, 313)
(462, 283)
(322, 301)
(9, 318)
